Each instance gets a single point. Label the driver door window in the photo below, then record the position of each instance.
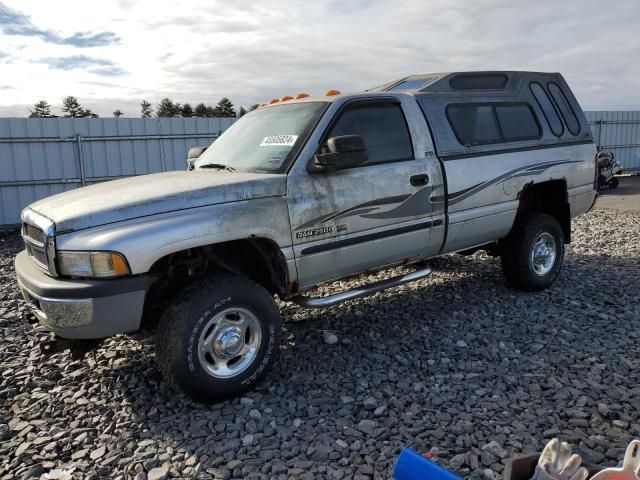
(382, 127)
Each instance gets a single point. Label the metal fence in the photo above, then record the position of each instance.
(619, 132)
(41, 157)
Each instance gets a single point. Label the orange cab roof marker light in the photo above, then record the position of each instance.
(301, 95)
(274, 100)
(285, 98)
(331, 92)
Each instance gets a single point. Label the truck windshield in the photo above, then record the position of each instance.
(263, 140)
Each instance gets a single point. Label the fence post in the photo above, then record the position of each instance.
(83, 178)
(600, 124)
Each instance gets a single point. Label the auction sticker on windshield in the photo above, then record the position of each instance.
(279, 141)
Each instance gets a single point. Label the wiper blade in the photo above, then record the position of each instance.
(219, 166)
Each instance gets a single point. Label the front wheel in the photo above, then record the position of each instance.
(533, 252)
(218, 338)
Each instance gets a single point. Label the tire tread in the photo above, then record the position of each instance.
(515, 253)
(176, 315)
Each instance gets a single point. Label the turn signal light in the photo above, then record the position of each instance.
(331, 92)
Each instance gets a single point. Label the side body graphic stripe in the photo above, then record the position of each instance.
(413, 205)
(369, 237)
(461, 195)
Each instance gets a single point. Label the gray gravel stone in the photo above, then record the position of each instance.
(159, 473)
(255, 414)
(370, 403)
(329, 337)
(494, 448)
(367, 426)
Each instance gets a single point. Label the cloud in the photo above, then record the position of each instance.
(75, 61)
(91, 40)
(217, 25)
(13, 22)
(108, 71)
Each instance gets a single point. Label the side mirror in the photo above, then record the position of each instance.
(193, 155)
(346, 151)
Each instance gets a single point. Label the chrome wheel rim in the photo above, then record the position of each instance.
(543, 254)
(229, 342)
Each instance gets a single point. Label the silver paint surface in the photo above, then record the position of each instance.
(145, 240)
(119, 200)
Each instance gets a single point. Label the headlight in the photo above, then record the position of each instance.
(92, 264)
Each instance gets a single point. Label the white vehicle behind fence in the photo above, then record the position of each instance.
(303, 191)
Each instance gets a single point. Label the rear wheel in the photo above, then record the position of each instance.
(218, 338)
(533, 252)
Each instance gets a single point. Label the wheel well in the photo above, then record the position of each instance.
(257, 258)
(550, 198)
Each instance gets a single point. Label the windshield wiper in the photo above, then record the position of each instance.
(219, 166)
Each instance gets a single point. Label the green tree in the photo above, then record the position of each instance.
(212, 112)
(187, 110)
(200, 110)
(42, 109)
(166, 108)
(145, 109)
(72, 108)
(225, 108)
(253, 107)
(86, 113)
(117, 113)
(242, 111)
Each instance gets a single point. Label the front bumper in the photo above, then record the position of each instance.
(82, 309)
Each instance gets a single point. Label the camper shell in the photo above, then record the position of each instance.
(557, 112)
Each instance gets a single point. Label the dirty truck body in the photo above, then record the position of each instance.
(306, 191)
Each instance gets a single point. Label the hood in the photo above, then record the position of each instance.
(144, 195)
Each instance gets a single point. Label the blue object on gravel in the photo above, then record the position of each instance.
(413, 466)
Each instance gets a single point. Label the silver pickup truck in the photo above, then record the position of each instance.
(303, 191)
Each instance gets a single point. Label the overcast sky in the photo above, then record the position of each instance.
(113, 54)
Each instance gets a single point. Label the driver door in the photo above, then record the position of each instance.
(349, 220)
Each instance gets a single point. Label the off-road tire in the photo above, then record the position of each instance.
(181, 325)
(517, 247)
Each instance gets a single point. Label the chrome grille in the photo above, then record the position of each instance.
(38, 236)
(38, 255)
(34, 241)
(33, 233)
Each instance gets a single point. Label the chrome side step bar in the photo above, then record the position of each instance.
(330, 300)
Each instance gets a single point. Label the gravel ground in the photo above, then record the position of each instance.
(456, 365)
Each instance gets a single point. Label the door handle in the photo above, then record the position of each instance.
(419, 180)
